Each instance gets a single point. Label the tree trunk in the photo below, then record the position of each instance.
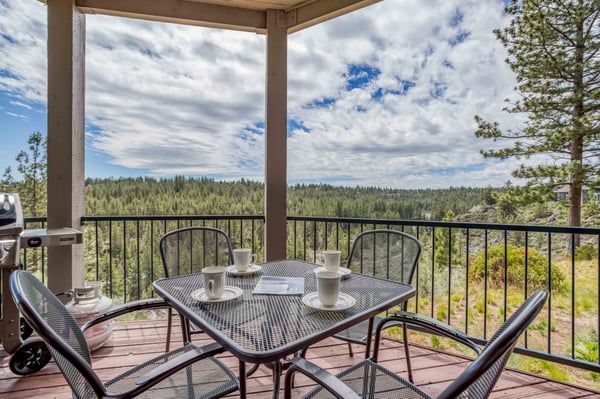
(576, 178)
(575, 211)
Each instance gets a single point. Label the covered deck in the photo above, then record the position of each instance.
(133, 342)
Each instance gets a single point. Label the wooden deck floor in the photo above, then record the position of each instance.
(133, 342)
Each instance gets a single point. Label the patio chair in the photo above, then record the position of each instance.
(368, 379)
(389, 254)
(189, 371)
(187, 251)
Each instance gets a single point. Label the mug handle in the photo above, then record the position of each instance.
(252, 259)
(210, 287)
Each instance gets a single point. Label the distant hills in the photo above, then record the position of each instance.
(180, 195)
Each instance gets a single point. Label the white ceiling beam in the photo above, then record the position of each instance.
(181, 12)
(319, 11)
(221, 16)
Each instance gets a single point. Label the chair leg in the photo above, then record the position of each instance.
(303, 352)
(350, 351)
(169, 326)
(252, 370)
(368, 339)
(185, 329)
(407, 352)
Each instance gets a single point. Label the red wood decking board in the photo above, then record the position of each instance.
(134, 341)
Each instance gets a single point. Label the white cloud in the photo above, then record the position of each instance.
(188, 100)
(20, 104)
(23, 60)
(410, 140)
(20, 116)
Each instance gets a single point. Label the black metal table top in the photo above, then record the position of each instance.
(264, 328)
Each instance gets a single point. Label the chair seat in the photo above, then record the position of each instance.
(206, 378)
(379, 383)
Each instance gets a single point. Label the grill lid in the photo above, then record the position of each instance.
(11, 214)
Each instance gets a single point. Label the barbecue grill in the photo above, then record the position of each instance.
(28, 354)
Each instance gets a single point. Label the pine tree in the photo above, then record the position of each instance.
(32, 166)
(8, 182)
(553, 49)
(445, 244)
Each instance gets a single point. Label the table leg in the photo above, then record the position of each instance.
(277, 370)
(242, 377)
(369, 335)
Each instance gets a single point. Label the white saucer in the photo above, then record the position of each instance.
(229, 293)
(252, 269)
(345, 301)
(344, 271)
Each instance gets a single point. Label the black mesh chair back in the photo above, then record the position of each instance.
(388, 254)
(55, 325)
(478, 380)
(188, 250)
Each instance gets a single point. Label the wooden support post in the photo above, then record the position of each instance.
(66, 138)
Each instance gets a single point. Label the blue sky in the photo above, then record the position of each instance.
(385, 96)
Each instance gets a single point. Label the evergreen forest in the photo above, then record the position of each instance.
(143, 196)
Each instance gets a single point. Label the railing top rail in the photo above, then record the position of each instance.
(36, 219)
(171, 217)
(460, 225)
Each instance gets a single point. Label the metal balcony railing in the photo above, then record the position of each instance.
(470, 275)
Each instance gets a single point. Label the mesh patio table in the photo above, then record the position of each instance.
(263, 329)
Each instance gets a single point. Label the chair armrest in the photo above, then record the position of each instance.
(324, 378)
(133, 306)
(428, 325)
(172, 366)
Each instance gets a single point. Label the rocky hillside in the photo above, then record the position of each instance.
(550, 213)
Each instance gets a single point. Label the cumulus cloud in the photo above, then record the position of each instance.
(411, 124)
(384, 96)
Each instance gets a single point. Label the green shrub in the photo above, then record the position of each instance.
(480, 306)
(587, 351)
(436, 342)
(542, 326)
(537, 268)
(441, 313)
(586, 252)
(547, 368)
(587, 347)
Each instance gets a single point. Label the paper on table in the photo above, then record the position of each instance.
(276, 285)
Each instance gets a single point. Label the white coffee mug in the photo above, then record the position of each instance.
(328, 287)
(331, 259)
(242, 258)
(214, 281)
